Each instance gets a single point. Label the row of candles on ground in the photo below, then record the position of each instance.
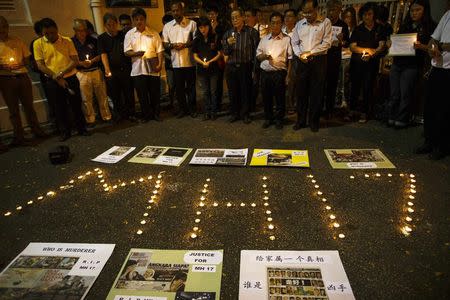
(406, 220)
(201, 204)
(332, 216)
(152, 201)
(268, 212)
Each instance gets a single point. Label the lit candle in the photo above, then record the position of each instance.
(198, 213)
(80, 177)
(30, 202)
(204, 191)
(201, 204)
(266, 198)
(268, 212)
(264, 178)
(40, 197)
(410, 204)
(195, 228)
(266, 203)
(269, 219)
(327, 207)
(408, 219)
(366, 175)
(271, 226)
(139, 232)
(150, 177)
(19, 208)
(7, 214)
(205, 185)
(215, 204)
(319, 193)
(408, 229)
(332, 217)
(197, 221)
(193, 236)
(204, 59)
(242, 204)
(228, 204)
(253, 204)
(143, 222)
(341, 235)
(145, 215)
(272, 237)
(87, 57)
(410, 210)
(336, 225)
(364, 53)
(208, 179)
(264, 185)
(316, 186)
(141, 179)
(411, 197)
(313, 181)
(389, 175)
(11, 59)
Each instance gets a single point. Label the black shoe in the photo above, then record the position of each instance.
(400, 125)
(206, 117)
(424, 149)
(247, 120)
(20, 142)
(157, 119)
(193, 115)
(213, 116)
(84, 133)
(132, 119)
(314, 128)
(233, 119)
(3, 148)
(266, 124)
(436, 154)
(64, 137)
(298, 126)
(90, 125)
(279, 125)
(181, 115)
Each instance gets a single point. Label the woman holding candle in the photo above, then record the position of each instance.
(206, 49)
(405, 70)
(367, 43)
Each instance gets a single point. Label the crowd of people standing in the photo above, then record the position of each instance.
(294, 61)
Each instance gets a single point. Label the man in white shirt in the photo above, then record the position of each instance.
(310, 41)
(178, 36)
(437, 106)
(145, 48)
(275, 53)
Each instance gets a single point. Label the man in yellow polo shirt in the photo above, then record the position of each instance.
(15, 85)
(57, 58)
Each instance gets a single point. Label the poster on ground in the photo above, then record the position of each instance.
(114, 154)
(280, 158)
(48, 271)
(298, 275)
(169, 275)
(157, 155)
(358, 159)
(220, 157)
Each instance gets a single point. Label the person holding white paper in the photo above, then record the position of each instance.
(146, 50)
(405, 70)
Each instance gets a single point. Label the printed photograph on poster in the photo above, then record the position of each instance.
(280, 158)
(275, 275)
(220, 157)
(157, 155)
(114, 154)
(358, 159)
(54, 271)
(170, 274)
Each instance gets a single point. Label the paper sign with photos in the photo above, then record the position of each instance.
(157, 155)
(169, 275)
(54, 271)
(280, 158)
(114, 154)
(279, 275)
(220, 157)
(358, 159)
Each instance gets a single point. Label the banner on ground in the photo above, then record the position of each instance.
(280, 158)
(311, 275)
(169, 275)
(358, 159)
(114, 154)
(156, 155)
(54, 271)
(220, 157)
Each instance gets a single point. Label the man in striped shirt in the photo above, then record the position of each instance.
(239, 48)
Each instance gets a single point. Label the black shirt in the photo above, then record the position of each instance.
(423, 36)
(87, 50)
(113, 47)
(366, 38)
(208, 49)
(244, 50)
(337, 50)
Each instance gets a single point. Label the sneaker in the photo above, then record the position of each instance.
(362, 119)
(193, 115)
(423, 149)
(233, 119)
(213, 116)
(400, 125)
(181, 115)
(206, 117)
(247, 120)
(390, 123)
(157, 119)
(266, 124)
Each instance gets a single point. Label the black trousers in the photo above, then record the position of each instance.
(148, 92)
(333, 68)
(120, 90)
(273, 88)
(185, 89)
(239, 81)
(437, 109)
(363, 75)
(64, 102)
(310, 87)
(220, 89)
(256, 82)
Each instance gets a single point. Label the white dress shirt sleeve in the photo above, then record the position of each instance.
(295, 41)
(260, 49)
(127, 46)
(166, 33)
(327, 38)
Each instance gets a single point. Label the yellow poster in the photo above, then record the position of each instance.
(280, 158)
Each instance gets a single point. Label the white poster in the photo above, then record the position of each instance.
(114, 154)
(403, 44)
(220, 157)
(311, 275)
(54, 271)
(335, 31)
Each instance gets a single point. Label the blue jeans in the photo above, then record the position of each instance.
(207, 83)
(403, 80)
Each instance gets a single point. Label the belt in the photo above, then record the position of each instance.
(13, 75)
(88, 70)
